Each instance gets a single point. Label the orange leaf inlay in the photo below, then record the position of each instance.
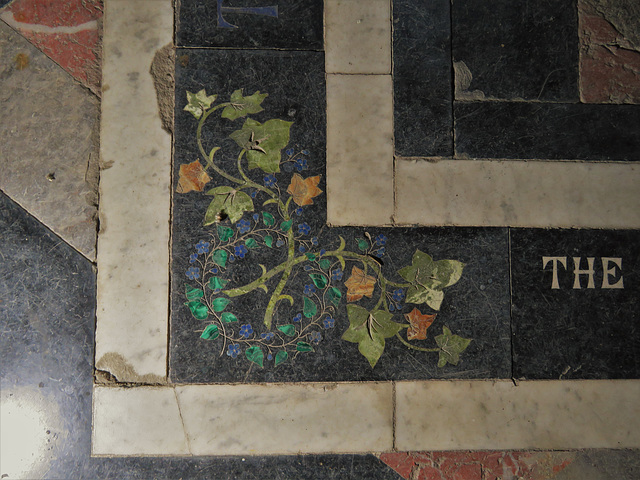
(303, 190)
(192, 177)
(359, 285)
(419, 324)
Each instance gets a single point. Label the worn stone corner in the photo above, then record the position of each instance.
(113, 368)
(163, 74)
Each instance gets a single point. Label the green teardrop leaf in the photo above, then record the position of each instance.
(198, 309)
(255, 355)
(310, 256)
(362, 244)
(281, 356)
(220, 257)
(286, 226)
(268, 241)
(325, 264)
(217, 283)
(193, 293)
(310, 308)
(334, 295)
(225, 233)
(228, 317)
(319, 280)
(219, 304)
(304, 347)
(251, 243)
(210, 333)
(288, 330)
(268, 219)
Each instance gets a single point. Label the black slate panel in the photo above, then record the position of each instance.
(568, 332)
(297, 26)
(422, 81)
(521, 130)
(526, 50)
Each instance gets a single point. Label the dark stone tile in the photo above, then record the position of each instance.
(547, 131)
(422, 80)
(518, 50)
(286, 24)
(575, 331)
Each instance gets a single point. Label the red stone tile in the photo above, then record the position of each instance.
(400, 462)
(67, 31)
(609, 66)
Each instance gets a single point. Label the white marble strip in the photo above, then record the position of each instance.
(133, 242)
(479, 415)
(517, 193)
(357, 418)
(357, 36)
(243, 419)
(359, 149)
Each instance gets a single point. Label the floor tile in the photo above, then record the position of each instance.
(358, 36)
(422, 82)
(287, 419)
(476, 415)
(359, 139)
(67, 31)
(547, 131)
(48, 142)
(609, 51)
(133, 273)
(518, 51)
(517, 193)
(278, 24)
(137, 421)
(572, 324)
(476, 307)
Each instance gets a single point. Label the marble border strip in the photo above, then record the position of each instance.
(135, 200)
(358, 417)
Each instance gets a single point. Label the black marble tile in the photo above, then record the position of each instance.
(564, 329)
(547, 131)
(422, 81)
(526, 50)
(47, 314)
(259, 24)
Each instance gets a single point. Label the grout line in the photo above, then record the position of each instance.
(184, 428)
(510, 273)
(394, 420)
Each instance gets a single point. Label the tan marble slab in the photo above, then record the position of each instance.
(137, 421)
(133, 242)
(359, 149)
(517, 193)
(243, 419)
(477, 415)
(357, 36)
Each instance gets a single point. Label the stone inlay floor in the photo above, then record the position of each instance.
(317, 232)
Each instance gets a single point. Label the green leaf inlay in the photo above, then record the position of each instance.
(309, 308)
(193, 293)
(199, 102)
(225, 233)
(263, 142)
(217, 283)
(319, 280)
(281, 356)
(304, 347)
(251, 243)
(325, 264)
(228, 317)
(220, 257)
(310, 256)
(242, 106)
(268, 241)
(362, 244)
(210, 333)
(268, 219)
(451, 346)
(289, 330)
(286, 226)
(219, 304)
(334, 295)
(227, 201)
(255, 355)
(198, 309)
